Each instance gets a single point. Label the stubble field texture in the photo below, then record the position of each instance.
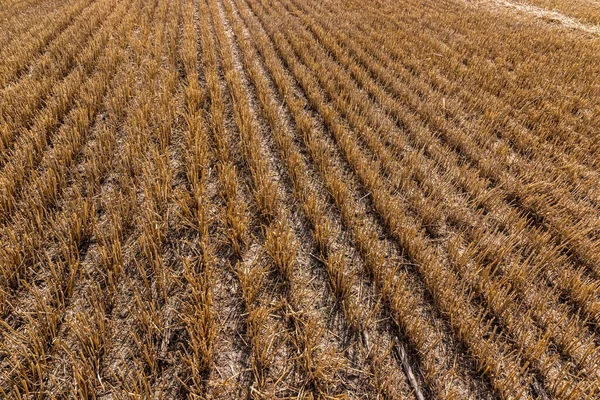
(227, 199)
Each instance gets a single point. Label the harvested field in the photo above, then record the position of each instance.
(226, 199)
